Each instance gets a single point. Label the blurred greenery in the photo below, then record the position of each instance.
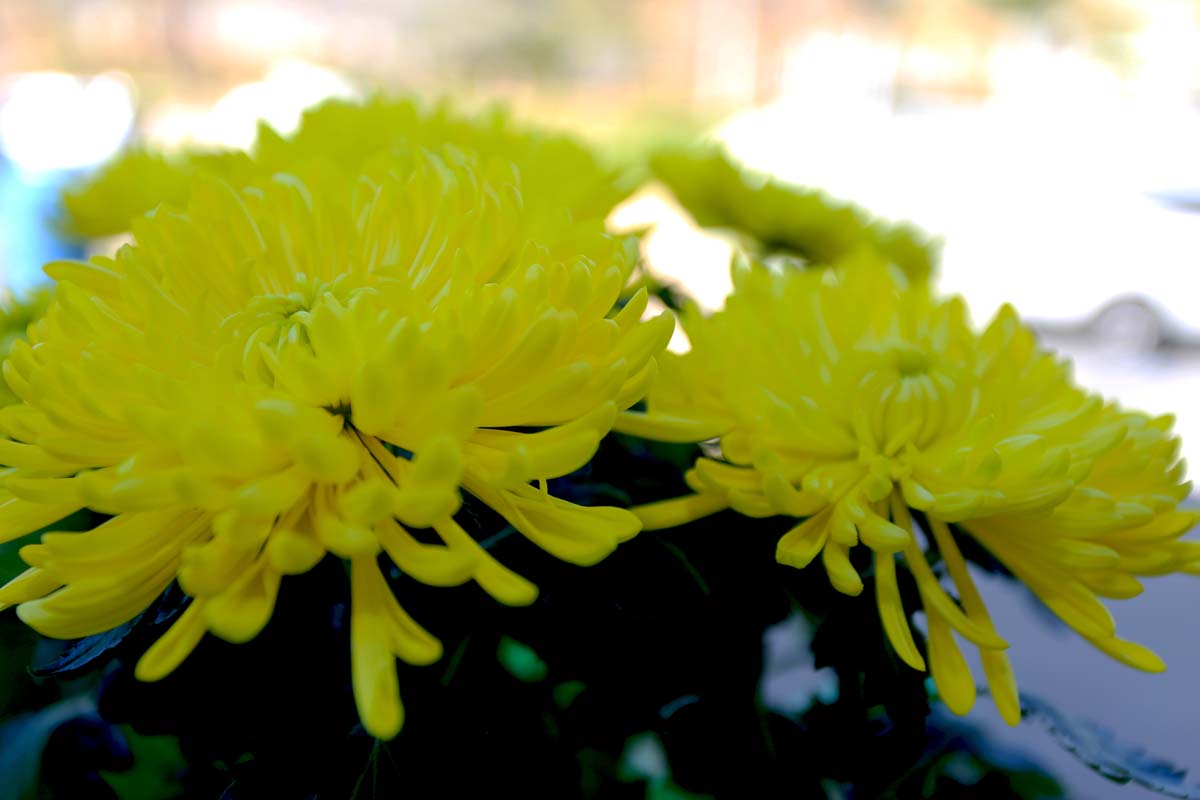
(521, 661)
(157, 768)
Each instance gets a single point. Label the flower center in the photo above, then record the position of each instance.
(908, 360)
(342, 410)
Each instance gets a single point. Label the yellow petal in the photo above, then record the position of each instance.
(380, 631)
(29, 585)
(89, 275)
(950, 672)
(799, 546)
(916, 495)
(935, 599)
(373, 667)
(635, 387)
(374, 398)
(432, 564)
(558, 450)
(666, 428)
(842, 574)
(368, 501)
(1130, 654)
(275, 493)
(1115, 585)
(882, 536)
(121, 538)
(1003, 684)
(84, 609)
(161, 659)
(1069, 599)
(345, 538)
(996, 666)
(207, 569)
(19, 517)
(579, 534)
(786, 499)
(497, 580)
(240, 612)
(292, 552)
(891, 611)
(678, 511)
(46, 491)
(31, 458)
(327, 458)
(430, 489)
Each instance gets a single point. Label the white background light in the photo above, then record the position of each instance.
(53, 121)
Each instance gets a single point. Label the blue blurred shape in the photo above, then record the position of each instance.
(29, 205)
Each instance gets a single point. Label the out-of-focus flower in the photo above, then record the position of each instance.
(317, 363)
(852, 400)
(562, 181)
(138, 180)
(777, 218)
(17, 313)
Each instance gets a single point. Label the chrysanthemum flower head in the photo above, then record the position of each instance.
(561, 179)
(772, 217)
(874, 414)
(317, 364)
(136, 181)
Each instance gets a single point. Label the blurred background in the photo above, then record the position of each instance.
(1050, 144)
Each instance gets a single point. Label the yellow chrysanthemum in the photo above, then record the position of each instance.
(17, 313)
(772, 217)
(136, 181)
(562, 180)
(847, 398)
(316, 364)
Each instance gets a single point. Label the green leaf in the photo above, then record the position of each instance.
(566, 693)
(667, 789)
(16, 643)
(520, 660)
(157, 767)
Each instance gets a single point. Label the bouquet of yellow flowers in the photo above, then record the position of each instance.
(374, 410)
